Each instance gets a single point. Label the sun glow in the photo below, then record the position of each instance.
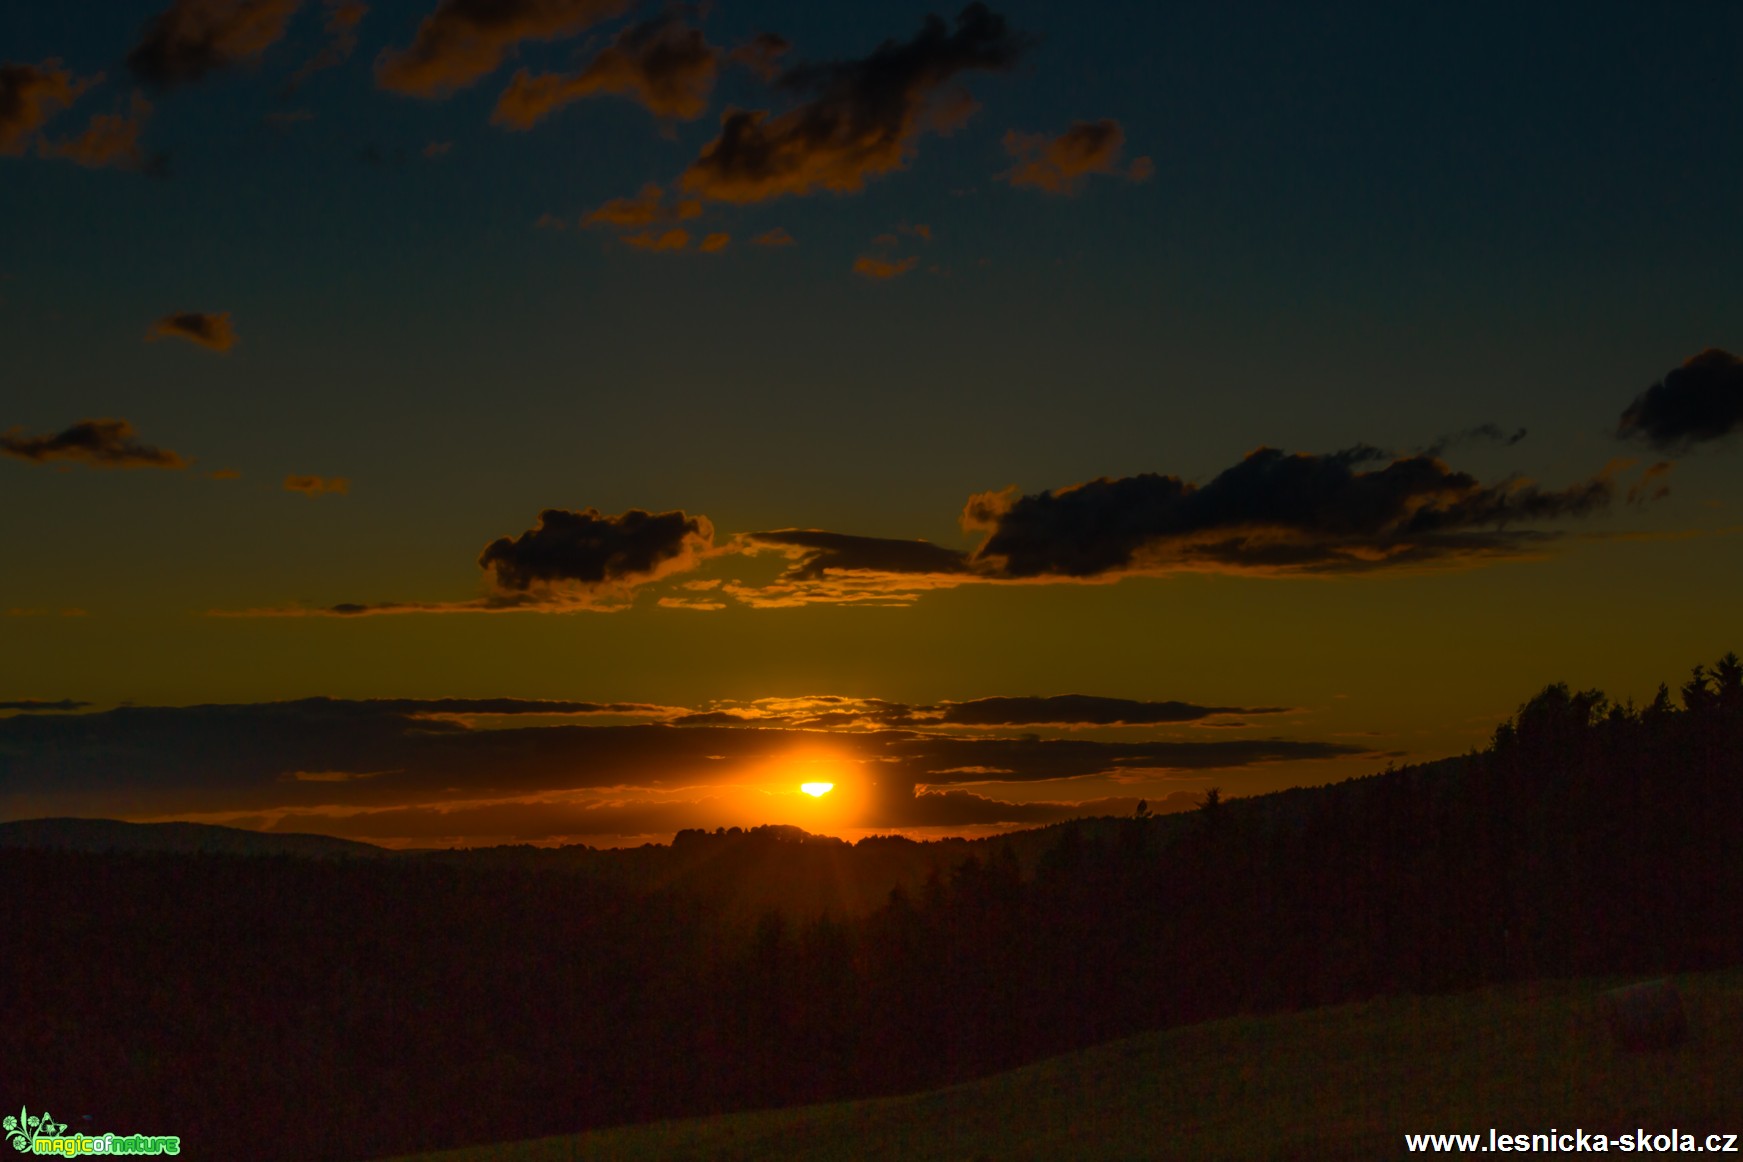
(817, 790)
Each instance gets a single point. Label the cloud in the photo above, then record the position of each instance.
(883, 269)
(590, 553)
(934, 760)
(1059, 711)
(37, 705)
(110, 139)
(776, 237)
(648, 208)
(840, 568)
(1651, 486)
(676, 238)
(1058, 165)
(429, 755)
(343, 17)
(1081, 710)
(317, 485)
(192, 38)
(493, 707)
(99, 443)
(571, 561)
(665, 64)
(817, 552)
(1272, 514)
(714, 243)
(465, 40)
(29, 96)
(1491, 433)
(1697, 403)
(762, 54)
(860, 118)
(214, 332)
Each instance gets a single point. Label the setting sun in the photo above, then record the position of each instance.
(817, 790)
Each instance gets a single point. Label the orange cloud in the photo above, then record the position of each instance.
(715, 242)
(213, 332)
(29, 96)
(192, 38)
(871, 266)
(762, 54)
(317, 485)
(343, 17)
(465, 40)
(776, 237)
(1058, 165)
(1651, 485)
(664, 64)
(111, 139)
(645, 209)
(98, 443)
(843, 569)
(674, 239)
(861, 121)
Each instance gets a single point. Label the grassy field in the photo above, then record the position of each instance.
(1338, 1083)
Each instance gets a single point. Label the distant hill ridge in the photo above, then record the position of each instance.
(116, 835)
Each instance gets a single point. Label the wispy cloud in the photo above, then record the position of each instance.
(880, 269)
(193, 38)
(29, 96)
(665, 65)
(215, 332)
(110, 140)
(1058, 165)
(859, 118)
(463, 41)
(343, 17)
(98, 443)
(317, 485)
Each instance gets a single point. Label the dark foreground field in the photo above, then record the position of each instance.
(1342, 1082)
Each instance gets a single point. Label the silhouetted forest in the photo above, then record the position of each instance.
(282, 1007)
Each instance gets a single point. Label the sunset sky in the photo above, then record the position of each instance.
(434, 422)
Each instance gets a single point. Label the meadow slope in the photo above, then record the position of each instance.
(1335, 1083)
